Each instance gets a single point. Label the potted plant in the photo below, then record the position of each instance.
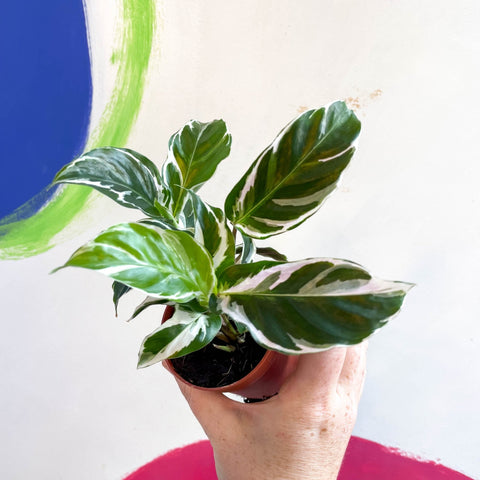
(229, 307)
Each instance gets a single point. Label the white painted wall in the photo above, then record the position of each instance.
(73, 406)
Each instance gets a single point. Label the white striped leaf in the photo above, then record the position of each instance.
(166, 264)
(192, 305)
(197, 149)
(172, 178)
(119, 290)
(148, 302)
(271, 253)
(123, 175)
(267, 252)
(308, 305)
(194, 154)
(185, 332)
(248, 249)
(161, 223)
(292, 177)
(210, 229)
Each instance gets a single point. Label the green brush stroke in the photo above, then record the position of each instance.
(31, 236)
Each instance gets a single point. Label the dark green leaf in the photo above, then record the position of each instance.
(292, 177)
(267, 252)
(248, 249)
(308, 305)
(271, 253)
(125, 176)
(119, 290)
(148, 302)
(192, 306)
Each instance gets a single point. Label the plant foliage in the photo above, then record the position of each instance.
(184, 252)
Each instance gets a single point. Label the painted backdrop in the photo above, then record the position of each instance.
(130, 73)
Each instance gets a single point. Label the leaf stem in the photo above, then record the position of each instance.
(228, 329)
(221, 336)
(225, 348)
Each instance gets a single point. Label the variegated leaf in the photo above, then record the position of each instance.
(248, 249)
(172, 178)
(210, 229)
(166, 264)
(125, 176)
(271, 253)
(185, 332)
(292, 177)
(119, 290)
(308, 305)
(148, 302)
(191, 305)
(194, 154)
(267, 252)
(161, 223)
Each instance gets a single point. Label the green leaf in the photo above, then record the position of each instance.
(148, 302)
(248, 249)
(292, 177)
(194, 154)
(161, 223)
(197, 149)
(271, 253)
(172, 178)
(192, 306)
(119, 290)
(210, 229)
(123, 175)
(267, 252)
(308, 305)
(166, 264)
(184, 333)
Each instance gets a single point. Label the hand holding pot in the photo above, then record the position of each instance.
(301, 433)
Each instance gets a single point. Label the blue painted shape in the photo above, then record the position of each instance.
(45, 97)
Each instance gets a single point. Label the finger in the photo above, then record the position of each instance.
(317, 371)
(352, 376)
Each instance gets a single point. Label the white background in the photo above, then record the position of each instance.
(73, 406)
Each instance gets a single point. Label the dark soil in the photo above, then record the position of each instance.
(211, 367)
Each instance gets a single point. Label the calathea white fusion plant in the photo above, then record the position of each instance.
(185, 252)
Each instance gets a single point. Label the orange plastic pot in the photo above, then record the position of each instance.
(263, 381)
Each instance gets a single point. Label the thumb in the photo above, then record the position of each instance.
(211, 408)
